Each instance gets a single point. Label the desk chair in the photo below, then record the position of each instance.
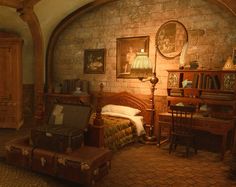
(181, 128)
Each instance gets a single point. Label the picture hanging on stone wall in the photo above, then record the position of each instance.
(126, 52)
(94, 61)
(171, 38)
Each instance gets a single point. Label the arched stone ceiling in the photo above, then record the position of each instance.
(61, 10)
(230, 4)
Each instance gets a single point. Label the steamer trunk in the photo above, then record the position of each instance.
(19, 153)
(43, 161)
(59, 139)
(85, 165)
(64, 137)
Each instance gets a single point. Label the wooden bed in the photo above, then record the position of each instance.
(117, 135)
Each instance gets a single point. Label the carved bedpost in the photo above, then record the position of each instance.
(98, 121)
(96, 130)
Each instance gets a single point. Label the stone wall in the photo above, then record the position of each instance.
(211, 32)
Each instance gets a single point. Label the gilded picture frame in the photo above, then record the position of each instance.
(126, 52)
(170, 39)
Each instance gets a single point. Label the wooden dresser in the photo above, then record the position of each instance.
(10, 81)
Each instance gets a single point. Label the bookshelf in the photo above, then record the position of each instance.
(211, 91)
(69, 91)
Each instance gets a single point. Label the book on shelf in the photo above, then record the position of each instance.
(200, 80)
(176, 92)
(69, 85)
(216, 82)
(203, 81)
(208, 81)
(219, 96)
(195, 80)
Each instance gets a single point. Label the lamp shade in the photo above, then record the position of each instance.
(141, 66)
(141, 61)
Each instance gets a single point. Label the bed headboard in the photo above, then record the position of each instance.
(95, 135)
(127, 99)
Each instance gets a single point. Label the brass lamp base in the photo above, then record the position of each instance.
(150, 140)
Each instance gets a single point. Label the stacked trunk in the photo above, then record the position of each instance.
(85, 165)
(58, 148)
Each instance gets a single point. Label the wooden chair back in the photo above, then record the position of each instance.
(182, 119)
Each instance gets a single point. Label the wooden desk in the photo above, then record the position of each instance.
(212, 125)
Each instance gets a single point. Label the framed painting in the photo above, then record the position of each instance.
(170, 39)
(126, 51)
(94, 61)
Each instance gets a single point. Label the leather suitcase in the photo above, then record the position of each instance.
(85, 165)
(19, 152)
(44, 161)
(67, 136)
(59, 139)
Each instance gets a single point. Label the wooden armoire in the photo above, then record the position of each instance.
(10, 81)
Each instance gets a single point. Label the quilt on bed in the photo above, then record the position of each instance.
(118, 131)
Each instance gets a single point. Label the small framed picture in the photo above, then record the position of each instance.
(234, 56)
(94, 61)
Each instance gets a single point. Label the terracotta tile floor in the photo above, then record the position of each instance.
(150, 166)
(147, 166)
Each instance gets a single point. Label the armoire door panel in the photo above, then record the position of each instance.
(5, 72)
(10, 81)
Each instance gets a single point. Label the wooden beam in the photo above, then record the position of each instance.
(25, 10)
(28, 15)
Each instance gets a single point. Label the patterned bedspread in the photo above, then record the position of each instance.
(118, 131)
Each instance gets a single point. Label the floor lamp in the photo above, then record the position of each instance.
(140, 65)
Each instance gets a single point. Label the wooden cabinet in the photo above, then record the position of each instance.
(212, 91)
(10, 81)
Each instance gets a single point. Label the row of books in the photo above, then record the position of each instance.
(217, 96)
(176, 92)
(205, 81)
(71, 85)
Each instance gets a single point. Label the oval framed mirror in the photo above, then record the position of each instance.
(170, 39)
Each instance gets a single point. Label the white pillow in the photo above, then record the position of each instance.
(121, 109)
